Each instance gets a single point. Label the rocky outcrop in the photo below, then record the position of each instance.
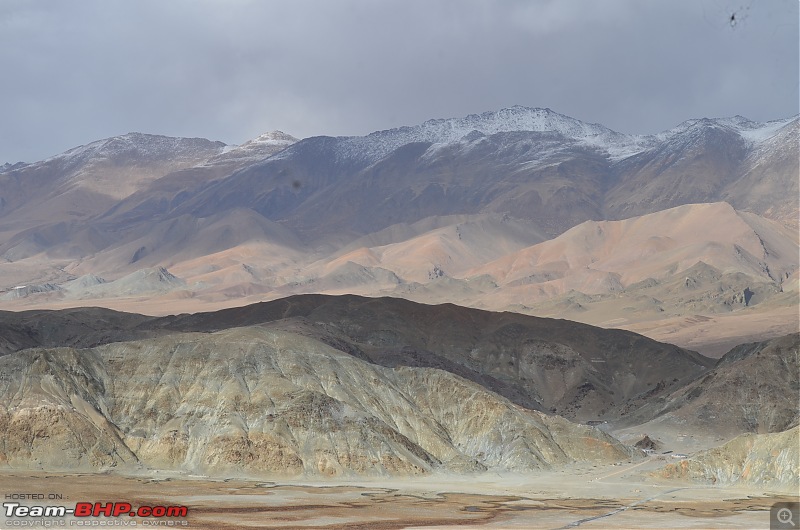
(55, 413)
(647, 443)
(260, 402)
(768, 460)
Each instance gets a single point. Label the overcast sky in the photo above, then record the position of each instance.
(78, 71)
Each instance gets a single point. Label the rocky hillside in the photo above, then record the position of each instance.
(754, 388)
(264, 402)
(769, 461)
(556, 366)
(80, 328)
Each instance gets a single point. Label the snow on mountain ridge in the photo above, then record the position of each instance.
(437, 131)
(617, 146)
(764, 131)
(8, 166)
(274, 137)
(517, 118)
(752, 131)
(256, 149)
(145, 145)
(120, 165)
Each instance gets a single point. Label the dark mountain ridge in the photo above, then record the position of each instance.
(574, 370)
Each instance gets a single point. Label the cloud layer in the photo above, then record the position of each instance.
(229, 70)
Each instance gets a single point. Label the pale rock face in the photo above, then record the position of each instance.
(54, 412)
(261, 402)
(767, 460)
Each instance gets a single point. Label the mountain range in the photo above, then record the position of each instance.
(520, 209)
(512, 291)
(342, 385)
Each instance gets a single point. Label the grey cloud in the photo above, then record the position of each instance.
(229, 70)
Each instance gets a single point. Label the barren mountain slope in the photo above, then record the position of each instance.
(164, 194)
(769, 179)
(753, 388)
(653, 246)
(455, 245)
(45, 206)
(110, 169)
(663, 275)
(748, 164)
(575, 370)
(51, 210)
(188, 238)
(265, 402)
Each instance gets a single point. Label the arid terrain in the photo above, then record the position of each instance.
(348, 412)
(623, 496)
(508, 320)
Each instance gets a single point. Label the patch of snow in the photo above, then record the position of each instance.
(145, 146)
(765, 131)
(255, 150)
(8, 166)
(272, 138)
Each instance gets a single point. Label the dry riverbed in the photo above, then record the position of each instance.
(621, 496)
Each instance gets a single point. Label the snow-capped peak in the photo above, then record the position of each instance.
(513, 119)
(144, 145)
(256, 149)
(751, 131)
(516, 118)
(272, 138)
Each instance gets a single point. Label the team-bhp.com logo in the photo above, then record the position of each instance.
(95, 509)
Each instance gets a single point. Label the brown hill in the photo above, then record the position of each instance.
(603, 256)
(657, 274)
(677, 275)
